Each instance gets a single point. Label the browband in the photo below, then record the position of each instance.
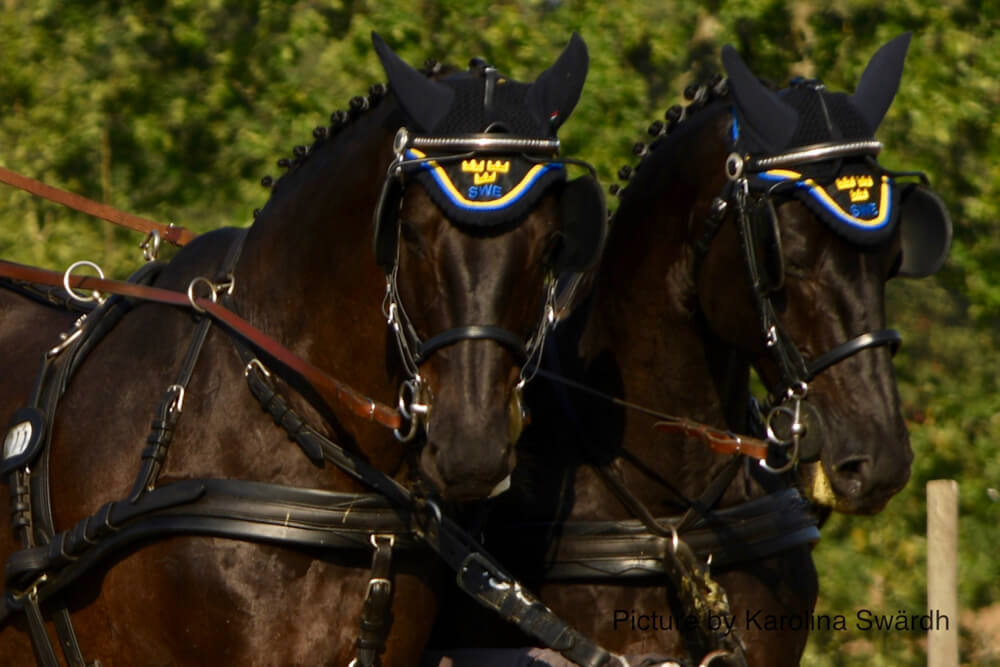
(815, 153)
(478, 143)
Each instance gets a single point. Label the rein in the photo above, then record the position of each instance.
(719, 440)
(359, 404)
(171, 233)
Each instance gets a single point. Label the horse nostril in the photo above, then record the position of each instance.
(852, 472)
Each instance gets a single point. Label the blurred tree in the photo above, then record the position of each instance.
(175, 109)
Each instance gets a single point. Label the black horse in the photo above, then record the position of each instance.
(757, 231)
(460, 173)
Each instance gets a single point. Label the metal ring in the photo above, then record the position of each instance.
(734, 166)
(793, 458)
(797, 391)
(437, 510)
(373, 539)
(710, 658)
(213, 292)
(769, 430)
(413, 385)
(229, 285)
(256, 363)
(94, 295)
(153, 238)
(178, 401)
(31, 591)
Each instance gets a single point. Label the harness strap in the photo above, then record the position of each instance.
(376, 613)
(54, 297)
(171, 404)
(168, 413)
(878, 338)
(610, 551)
(689, 576)
(174, 234)
(477, 573)
(712, 494)
(330, 388)
(40, 641)
(505, 337)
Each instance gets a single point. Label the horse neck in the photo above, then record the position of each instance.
(307, 274)
(646, 316)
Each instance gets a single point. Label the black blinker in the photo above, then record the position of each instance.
(584, 223)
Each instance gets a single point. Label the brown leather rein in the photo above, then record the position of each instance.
(718, 440)
(178, 236)
(357, 403)
(723, 442)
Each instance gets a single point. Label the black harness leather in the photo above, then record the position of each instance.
(236, 509)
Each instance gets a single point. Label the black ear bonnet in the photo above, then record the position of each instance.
(484, 148)
(819, 147)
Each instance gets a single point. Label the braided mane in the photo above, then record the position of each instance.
(341, 120)
(700, 97)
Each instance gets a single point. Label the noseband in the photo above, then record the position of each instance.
(795, 373)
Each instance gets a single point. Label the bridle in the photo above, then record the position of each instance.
(415, 399)
(794, 371)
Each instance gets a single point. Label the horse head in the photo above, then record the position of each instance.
(821, 227)
(475, 220)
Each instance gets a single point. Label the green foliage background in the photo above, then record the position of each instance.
(174, 110)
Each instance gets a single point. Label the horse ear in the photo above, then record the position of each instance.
(556, 91)
(425, 102)
(771, 120)
(880, 80)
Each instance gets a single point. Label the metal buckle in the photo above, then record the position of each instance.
(31, 592)
(151, 245)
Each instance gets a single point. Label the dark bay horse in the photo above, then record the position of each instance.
(757, 231)
(456, 177)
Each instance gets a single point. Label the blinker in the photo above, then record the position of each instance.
(925, 235)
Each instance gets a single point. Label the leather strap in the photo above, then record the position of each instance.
(849, 348)
(477, 573)
(376, 612)
(689, 576)
(505, 337)
(720, 441)
(168, 412)
(40, 641)
(330, 388)
(610, 551)
(178, 236)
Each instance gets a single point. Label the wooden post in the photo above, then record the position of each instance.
(942, 572)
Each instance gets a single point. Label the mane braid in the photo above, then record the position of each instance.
(699, 96)
(339, 120)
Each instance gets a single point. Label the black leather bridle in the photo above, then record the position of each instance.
(794, 371)
(414, 398)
